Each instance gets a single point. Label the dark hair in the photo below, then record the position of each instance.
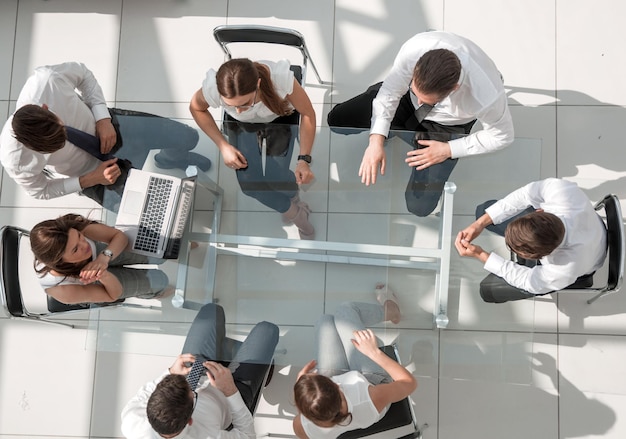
(535, 235)
(170, 406)
(437, 72)
(48, 240)
(38, 129)
(318, 398)
(239, 77)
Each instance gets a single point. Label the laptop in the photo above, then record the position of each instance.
(154, 211)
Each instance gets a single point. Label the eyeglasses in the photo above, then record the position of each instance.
(242, 107)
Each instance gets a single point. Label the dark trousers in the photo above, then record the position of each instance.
(137, 134)
(278, 186)
(494, 289)
(248, 361)
(424, 188)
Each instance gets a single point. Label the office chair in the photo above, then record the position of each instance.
(615, 243)
(12, 298)
(399, 421)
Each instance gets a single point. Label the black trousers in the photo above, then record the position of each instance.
(425, 187)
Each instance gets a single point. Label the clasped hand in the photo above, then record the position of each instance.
(94, 270)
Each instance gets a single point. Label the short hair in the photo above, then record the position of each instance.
(318, 398)
(437, 72)
(38, 129)
(535, 235)
(48, 240)
(170, 406)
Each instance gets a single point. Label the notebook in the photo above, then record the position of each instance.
(154, 211)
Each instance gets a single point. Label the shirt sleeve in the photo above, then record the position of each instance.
(540, 279)
(497, 132)
(135, 422)
(79, 76)
(533, 194)
(395, 85)
(243, 423)
(39, 186)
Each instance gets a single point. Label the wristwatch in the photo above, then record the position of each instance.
(307, 158)
(107, 252)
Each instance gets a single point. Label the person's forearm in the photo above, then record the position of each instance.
(396, 371)
(111, 285)
(307, 134)
(89, 180)
(118, 243)
(207, 124)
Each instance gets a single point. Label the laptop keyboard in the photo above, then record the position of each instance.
(153, 214)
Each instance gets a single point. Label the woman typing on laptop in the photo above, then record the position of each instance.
(82, 261)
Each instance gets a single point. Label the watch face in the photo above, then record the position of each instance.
(306, 158)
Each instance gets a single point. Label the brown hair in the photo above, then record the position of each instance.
(170, 406)
(318, 398)
(437, 72)
(239, 77)
(48, 240)
(38, 129)
(535, 235)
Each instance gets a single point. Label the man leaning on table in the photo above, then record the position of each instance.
(440, 83)
(551, 221)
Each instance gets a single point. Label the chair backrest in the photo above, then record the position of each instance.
(400, 414)
(250, 33)
(615, 239)
(9, 262)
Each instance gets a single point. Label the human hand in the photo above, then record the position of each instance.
(95, 267)
(436, 152)
(464, 248)
(107, 172)
(373, 157)
(220, 377)
(233, 158)
(308, 368)
(471, 232)
(365, 342)
(107, 135)
(303, 172)
(180, 364)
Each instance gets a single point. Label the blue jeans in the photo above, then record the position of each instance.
(335, 352)
(278, 186)
(207, 338)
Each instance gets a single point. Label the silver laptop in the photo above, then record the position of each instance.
(154, 211)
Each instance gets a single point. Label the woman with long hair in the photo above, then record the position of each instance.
(355, 382)
(81, 261)
(255, 94)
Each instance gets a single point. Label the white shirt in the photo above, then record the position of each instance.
(582, 251)
(355, 388)
(282, 79)
(480, 94)
(56, 87)
(212, 415)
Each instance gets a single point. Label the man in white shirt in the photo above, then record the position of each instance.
(440, 83)
(34, 146)
(222, 406)
(551, 221)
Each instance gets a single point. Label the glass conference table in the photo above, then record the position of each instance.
(238, 254)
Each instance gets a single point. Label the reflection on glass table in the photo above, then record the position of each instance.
(239, 254)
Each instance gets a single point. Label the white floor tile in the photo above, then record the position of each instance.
(8, 17)
(40, 41)
(165, 54)
(528, 33)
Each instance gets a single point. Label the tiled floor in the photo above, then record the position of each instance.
(548, 368)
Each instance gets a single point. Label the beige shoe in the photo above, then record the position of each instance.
(298, 214)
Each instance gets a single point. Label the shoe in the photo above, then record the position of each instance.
(191, 159)
(385, 294)
(300, 218)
